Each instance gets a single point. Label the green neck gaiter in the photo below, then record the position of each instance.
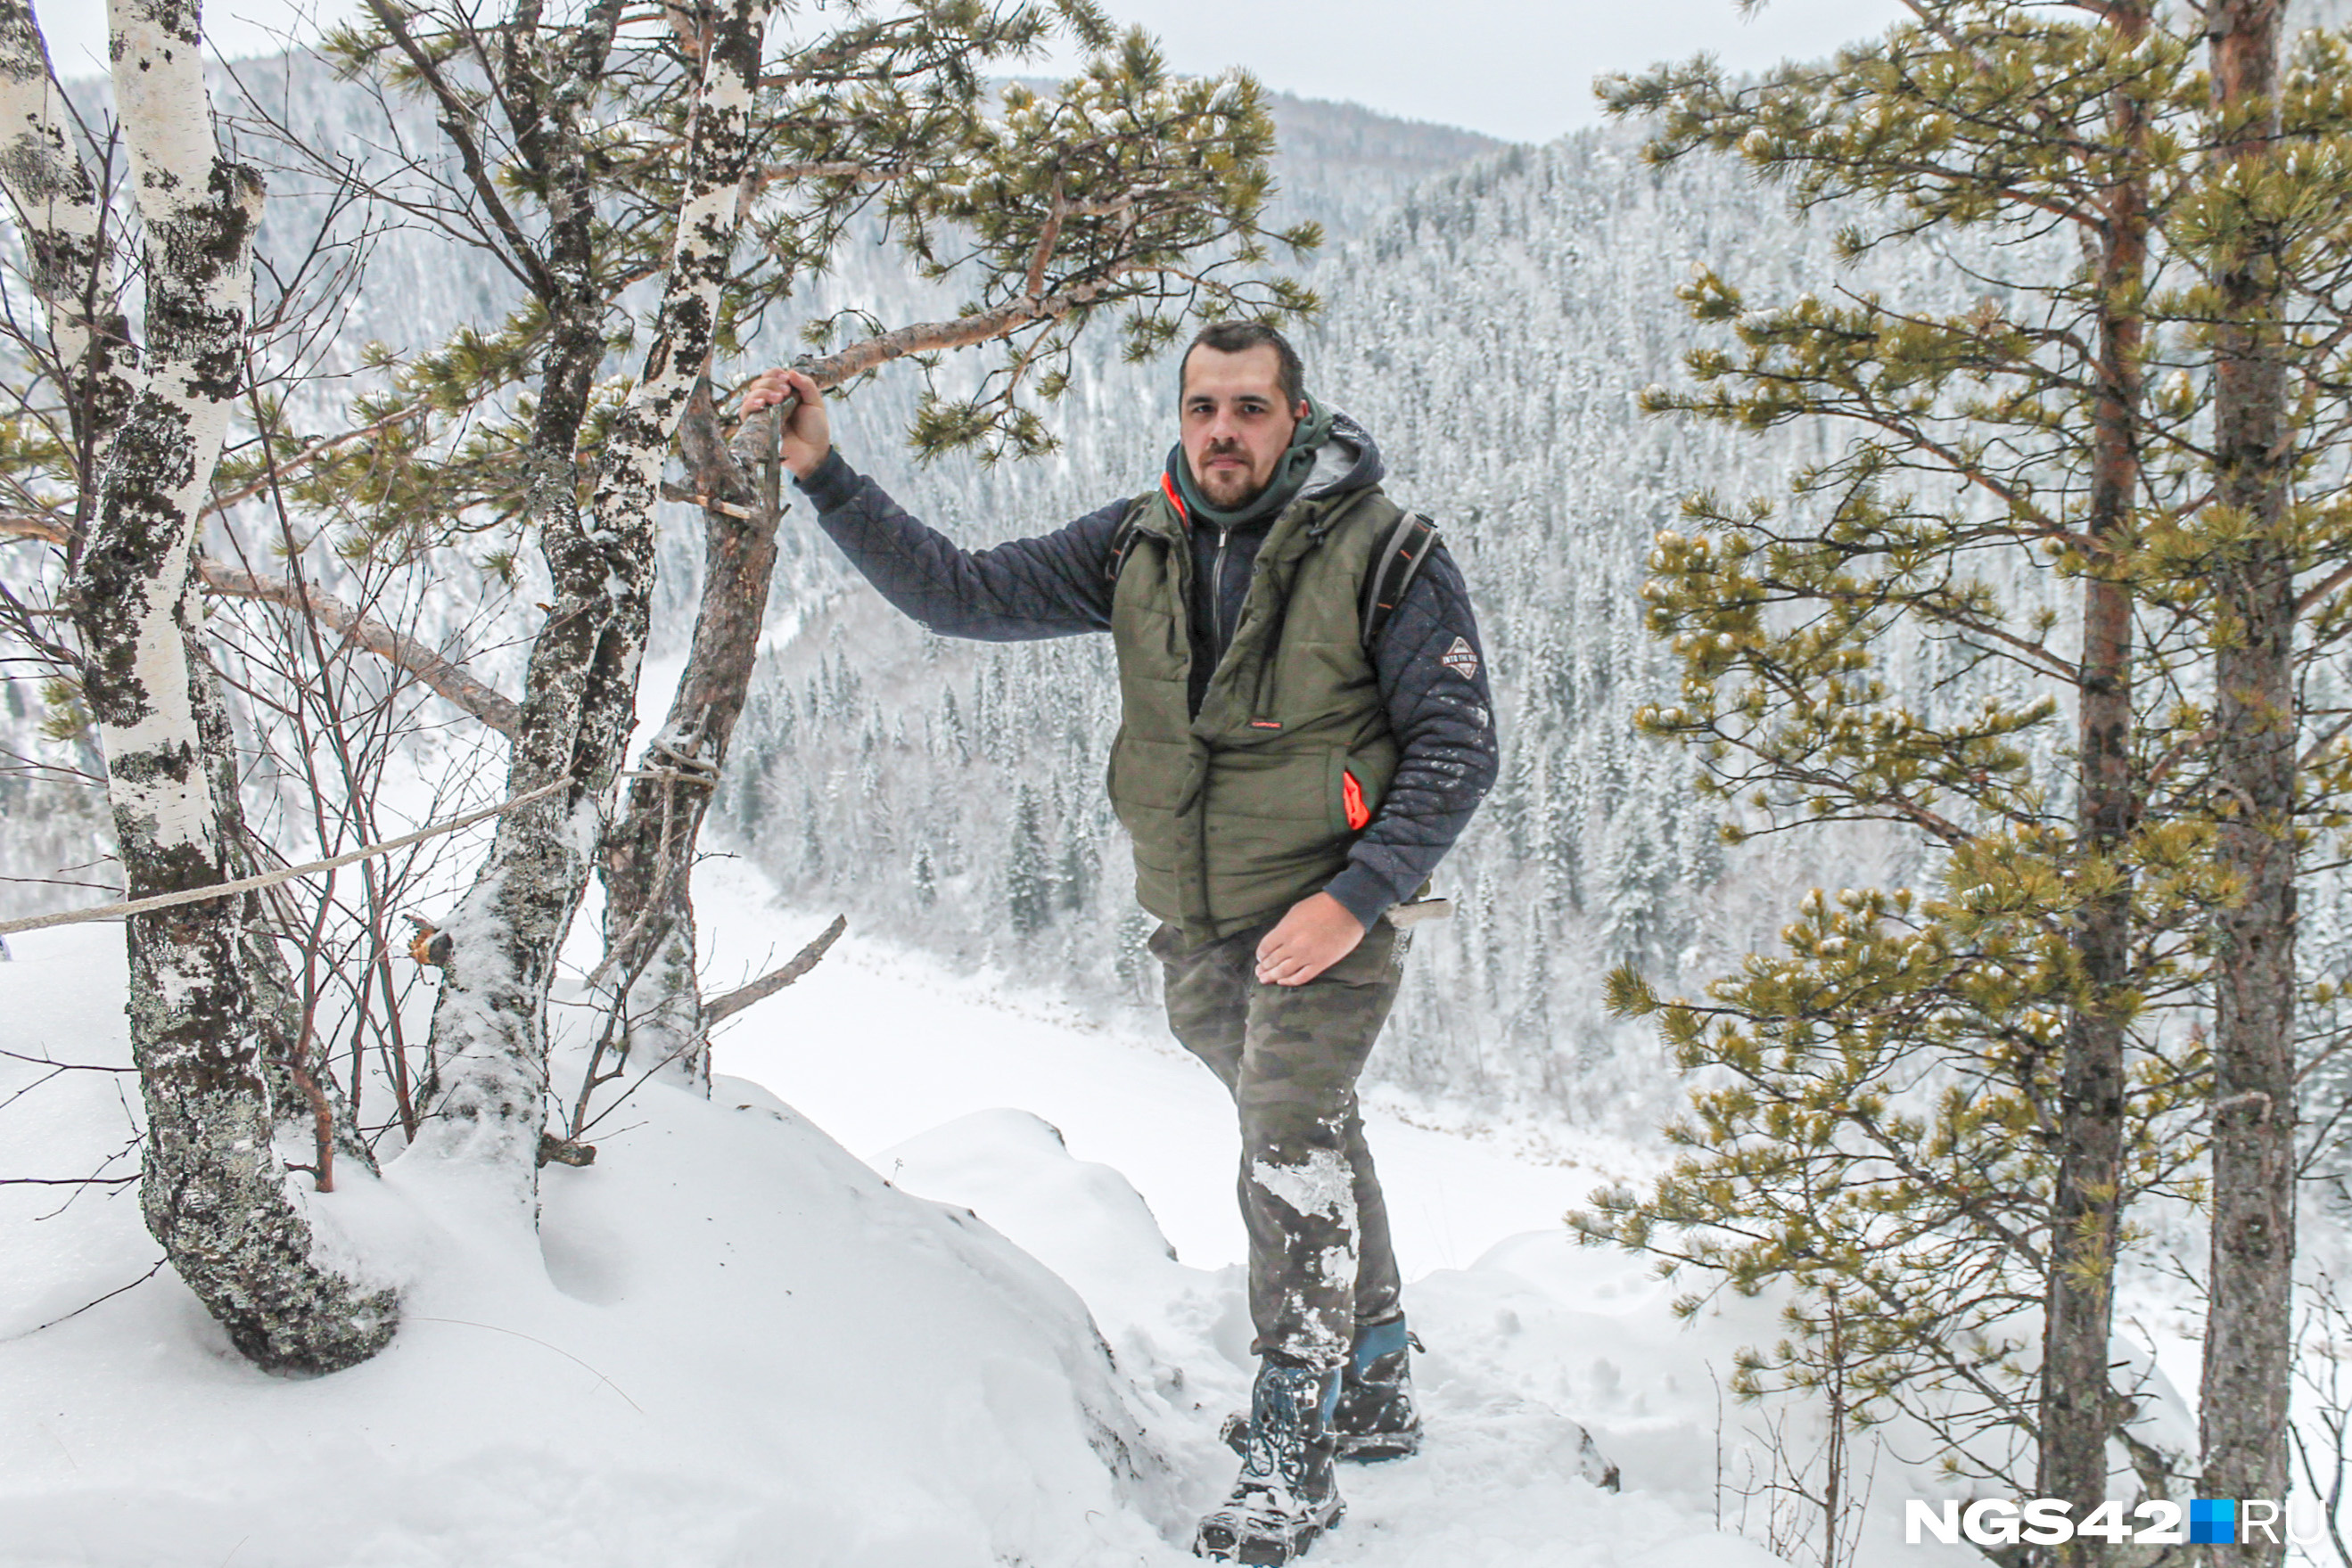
(1291, 472)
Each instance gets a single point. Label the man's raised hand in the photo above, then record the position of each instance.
(808, 432)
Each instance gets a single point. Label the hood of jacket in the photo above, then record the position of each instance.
(1346, 459)
(1342, 456)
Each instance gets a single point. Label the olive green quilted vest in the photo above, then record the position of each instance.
(1241, 812)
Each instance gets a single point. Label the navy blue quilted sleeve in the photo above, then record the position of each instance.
(1433, 675)
(1050, 586)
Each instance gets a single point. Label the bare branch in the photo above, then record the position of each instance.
(768, 985)
(447, 677)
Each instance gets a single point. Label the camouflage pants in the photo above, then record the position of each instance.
(1320, 1259)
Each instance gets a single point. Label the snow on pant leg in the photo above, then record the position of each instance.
(1290, 1056)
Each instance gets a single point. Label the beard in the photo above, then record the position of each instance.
(1228, 489)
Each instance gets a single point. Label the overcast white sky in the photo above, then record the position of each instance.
(1516, 68)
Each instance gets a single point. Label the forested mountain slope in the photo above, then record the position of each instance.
(1491, 314)
(1493, 332)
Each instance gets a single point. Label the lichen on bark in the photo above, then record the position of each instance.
(214, 1193)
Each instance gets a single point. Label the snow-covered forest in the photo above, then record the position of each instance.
(1491, 330)
(1489, 314)
(931, 1259)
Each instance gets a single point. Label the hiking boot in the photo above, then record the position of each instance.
(1285, 1495)
(1376, 1417)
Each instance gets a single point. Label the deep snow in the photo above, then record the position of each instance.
(739, 1343)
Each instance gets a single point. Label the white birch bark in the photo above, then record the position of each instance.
(490, 1031)
(214, 1193)
(56, 205)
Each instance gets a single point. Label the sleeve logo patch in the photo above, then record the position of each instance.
(1460, 658)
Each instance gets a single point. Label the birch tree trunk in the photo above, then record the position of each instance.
(488, 1038)
(489, 1028)
(57, 212)
(214, 1193)
(2242, 1394)
(2079, 1409)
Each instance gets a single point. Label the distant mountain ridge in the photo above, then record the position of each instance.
(1491, 314)
(1491, 310)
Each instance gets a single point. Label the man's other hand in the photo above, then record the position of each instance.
(808, 432)
(1316, 933)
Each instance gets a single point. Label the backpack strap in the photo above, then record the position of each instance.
(1401, 553)
(1122, 540)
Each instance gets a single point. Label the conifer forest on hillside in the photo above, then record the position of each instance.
(1902, 498)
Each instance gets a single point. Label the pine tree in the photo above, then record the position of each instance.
(2154, 416)
(1076, 877)
(1944, 1103)
(1028, 885)
(813, 834)
(954, 735)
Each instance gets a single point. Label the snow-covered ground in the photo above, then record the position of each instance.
(751, 1337)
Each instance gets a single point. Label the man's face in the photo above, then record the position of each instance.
(1237, 425)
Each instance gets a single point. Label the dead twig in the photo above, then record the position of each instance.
(768, 985)
(152, 1269)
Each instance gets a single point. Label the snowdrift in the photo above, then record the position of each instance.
(735, 1343)
(743, 1346)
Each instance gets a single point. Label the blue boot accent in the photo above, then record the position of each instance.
(1373, 1415)
(1374, 1341)
(1376, 1417)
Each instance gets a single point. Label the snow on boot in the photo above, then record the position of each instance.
(1376, 1417)
(1287, 1495)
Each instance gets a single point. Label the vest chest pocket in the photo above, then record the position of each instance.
(1151, 643)
(1314, 680)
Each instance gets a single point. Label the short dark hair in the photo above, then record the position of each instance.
(1239, 337)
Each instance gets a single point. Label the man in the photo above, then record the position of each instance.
(1306, 730)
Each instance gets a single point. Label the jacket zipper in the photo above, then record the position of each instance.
(1217, 595)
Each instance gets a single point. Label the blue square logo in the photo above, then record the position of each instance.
(2213, 1521)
